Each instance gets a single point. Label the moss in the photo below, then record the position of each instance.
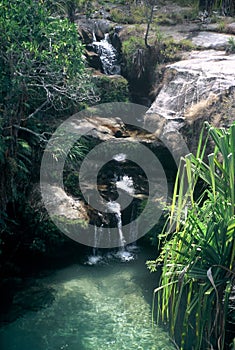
(132, 15)
(119, 16)
(186, 45)
(113, 88)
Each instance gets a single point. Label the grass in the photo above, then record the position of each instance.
(231, 45)
(198, 246)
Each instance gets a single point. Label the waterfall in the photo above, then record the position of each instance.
(125, 253)
(108, 55)
(95, 241)
(122, 253)
(120, 157)
(126, 184)
(95, 258)
(133, 228)
(115, 208)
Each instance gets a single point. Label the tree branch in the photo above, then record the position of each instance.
(40, 136)
(36, 111)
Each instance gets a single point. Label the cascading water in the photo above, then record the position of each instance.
(125, 183)
(95, 258)
(123, 254)
(133, 229)
(115, 208)
(120, 182)
(108, 55)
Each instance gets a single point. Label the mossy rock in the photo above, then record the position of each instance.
(112, 88)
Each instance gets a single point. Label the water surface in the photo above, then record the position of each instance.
(101, 307)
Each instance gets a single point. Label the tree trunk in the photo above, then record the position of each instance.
(149, 21)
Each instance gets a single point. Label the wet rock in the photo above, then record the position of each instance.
(90, 27)
(86, 34)
(93, 60)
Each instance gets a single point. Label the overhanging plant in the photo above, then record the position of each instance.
(198, 246)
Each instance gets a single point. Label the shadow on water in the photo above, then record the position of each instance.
(105, 306)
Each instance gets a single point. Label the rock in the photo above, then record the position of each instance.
(93, 60)
(192, 88)
(210, 40)
(230, 28)
(205, 74)
(116, 42)
(60, 204)
(86, 34)
(90, 27)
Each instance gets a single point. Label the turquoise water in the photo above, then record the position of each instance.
(101, 307)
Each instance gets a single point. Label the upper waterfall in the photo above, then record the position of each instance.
(108, 55)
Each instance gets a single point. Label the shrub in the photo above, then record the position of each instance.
(112, 88)
(198, 257)
(231, 45)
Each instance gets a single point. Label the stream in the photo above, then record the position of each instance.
(106, 306)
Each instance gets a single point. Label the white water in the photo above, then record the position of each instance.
(120, 157)
(95, 258)
(115, 208)
(108, 55)
(126, 184)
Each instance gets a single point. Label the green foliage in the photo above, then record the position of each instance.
(70, 7)
(134, 54)
(132, 44)
(135, 14)
(112, 88)
(231, 45)
(46, 237)
(43, 68)
(199, 246)
(138, 14)
(43, 76)
(119, 16)
(43, 56)
(186, 2)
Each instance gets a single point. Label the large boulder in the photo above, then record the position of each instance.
(192, 86)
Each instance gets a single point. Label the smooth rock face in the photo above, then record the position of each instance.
(231, 28)
(59, 203)
(204, 76)
(209, 40)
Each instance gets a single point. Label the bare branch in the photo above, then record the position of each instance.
(36, 111)
(40, 136)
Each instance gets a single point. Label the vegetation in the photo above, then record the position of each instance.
(68, 8)
(198, 246)
(43, 78)
(112, 88)
(231, 45)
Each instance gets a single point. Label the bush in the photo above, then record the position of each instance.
(198, 249)
(112, 88)
(119, 16)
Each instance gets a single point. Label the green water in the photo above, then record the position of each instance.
(102, 307)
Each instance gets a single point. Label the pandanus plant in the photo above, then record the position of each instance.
(198, 246)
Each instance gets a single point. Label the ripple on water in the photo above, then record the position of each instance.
(95, 308)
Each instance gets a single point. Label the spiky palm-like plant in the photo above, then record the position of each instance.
(198, 272)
